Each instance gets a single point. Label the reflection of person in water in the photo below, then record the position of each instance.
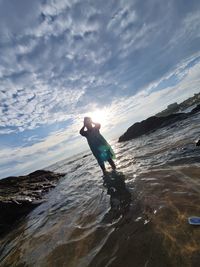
(120, 197)
(98, 145)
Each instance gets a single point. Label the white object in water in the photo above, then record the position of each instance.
(194, 220)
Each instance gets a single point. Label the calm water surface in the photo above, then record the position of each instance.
(135, 217)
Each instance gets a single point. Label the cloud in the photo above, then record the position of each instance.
(11, 14)
(66, 54)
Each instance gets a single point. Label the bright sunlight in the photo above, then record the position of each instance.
(100, 115)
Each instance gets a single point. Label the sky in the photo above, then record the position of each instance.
(60, 60)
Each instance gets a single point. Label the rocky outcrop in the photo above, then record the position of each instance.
(153, 123)
(19, 195)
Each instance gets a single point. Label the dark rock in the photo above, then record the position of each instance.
(196, 109)
(150, 124)
(198, 143)
(154, 123)
(20, 195)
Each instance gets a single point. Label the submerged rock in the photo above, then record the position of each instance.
(19, 195)
(153, 123)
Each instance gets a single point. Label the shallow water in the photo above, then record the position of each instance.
(136, 217)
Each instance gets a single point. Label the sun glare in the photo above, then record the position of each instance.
(99, 116)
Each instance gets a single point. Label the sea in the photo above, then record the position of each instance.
(136, 216)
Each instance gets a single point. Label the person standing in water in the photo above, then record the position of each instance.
(97, 143)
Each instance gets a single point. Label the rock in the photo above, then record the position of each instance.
(20, 195)
(196, 109)
(153, 123)
(198, 143)
(149, 125)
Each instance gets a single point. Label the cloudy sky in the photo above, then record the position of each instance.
(60, 60)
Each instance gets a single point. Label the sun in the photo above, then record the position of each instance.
(99, 116)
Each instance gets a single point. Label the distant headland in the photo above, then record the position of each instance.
(173, 113)
(182, 107)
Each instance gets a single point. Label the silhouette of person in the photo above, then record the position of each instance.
(97, 143)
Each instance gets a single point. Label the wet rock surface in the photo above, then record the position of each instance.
(19, 195)
(153, 123)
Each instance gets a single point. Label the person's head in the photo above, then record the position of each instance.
(88, 122)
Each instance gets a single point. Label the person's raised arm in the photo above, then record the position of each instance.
(82, 131)
(97, 125)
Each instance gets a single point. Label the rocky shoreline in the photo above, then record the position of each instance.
(20, 195)
(154, 123)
